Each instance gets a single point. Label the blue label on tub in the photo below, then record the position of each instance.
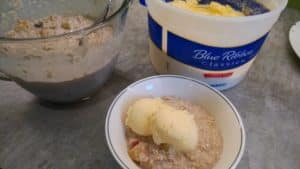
(203, 56)
(155, 32)
(211, 58)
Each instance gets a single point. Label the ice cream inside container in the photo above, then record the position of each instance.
(249, 7)
(215, 49)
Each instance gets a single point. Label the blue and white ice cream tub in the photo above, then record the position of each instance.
(214, 49)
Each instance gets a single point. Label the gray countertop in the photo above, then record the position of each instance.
(37, 135)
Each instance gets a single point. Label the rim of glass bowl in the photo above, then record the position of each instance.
(83, 31)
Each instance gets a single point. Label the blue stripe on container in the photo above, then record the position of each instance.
(155, 32)
(218, 85)
(143, 2)
(209, 57)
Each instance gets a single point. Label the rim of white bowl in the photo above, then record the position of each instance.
(237, 115)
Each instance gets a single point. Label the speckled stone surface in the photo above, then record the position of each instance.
(37, 135)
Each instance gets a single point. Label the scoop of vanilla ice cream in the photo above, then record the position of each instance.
(175, 127)
(139, 115)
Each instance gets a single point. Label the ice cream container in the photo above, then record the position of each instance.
(217, 50)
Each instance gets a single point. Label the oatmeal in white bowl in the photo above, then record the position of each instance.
(159, 144)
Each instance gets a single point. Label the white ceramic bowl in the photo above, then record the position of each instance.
(294, 38)
(213, 101)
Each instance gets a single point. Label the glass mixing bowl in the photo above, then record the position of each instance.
(63, 67)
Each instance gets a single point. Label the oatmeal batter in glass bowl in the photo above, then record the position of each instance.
(57, 50)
